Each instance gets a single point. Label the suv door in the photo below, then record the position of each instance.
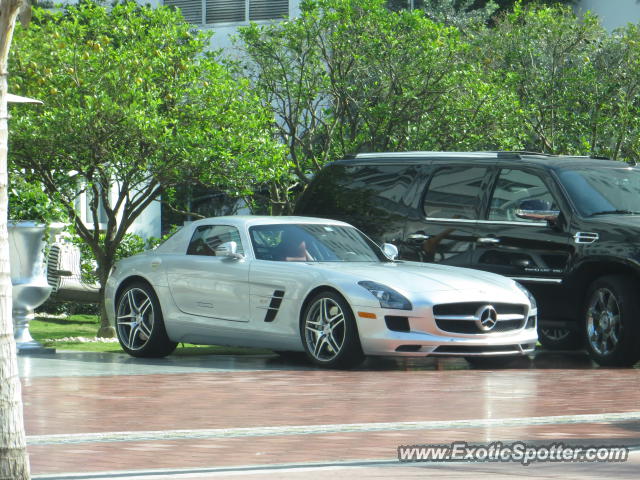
(527, 250)
(451, 206)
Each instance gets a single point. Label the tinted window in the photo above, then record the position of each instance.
(377, 199)
(313, 243)
(207, 238)
(454, 192)
(518, 189)
(344, 188)
(606, 190)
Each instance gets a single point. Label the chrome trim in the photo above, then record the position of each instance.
(537, 280)
(453, 220)
(487, 222)
(431, 155)
(488, 240)
(418, 236)
(471, 318)
(585, 237)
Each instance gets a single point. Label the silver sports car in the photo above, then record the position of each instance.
(295, 284)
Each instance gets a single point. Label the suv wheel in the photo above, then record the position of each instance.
(611, 321)
(558, 338)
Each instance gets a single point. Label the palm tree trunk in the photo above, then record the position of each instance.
(14, 462)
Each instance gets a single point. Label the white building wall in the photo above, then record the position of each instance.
(148, 224)
(612, 13)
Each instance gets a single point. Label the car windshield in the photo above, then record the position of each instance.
(313, 243)
(604, 190)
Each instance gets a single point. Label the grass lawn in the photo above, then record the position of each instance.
(65, 333)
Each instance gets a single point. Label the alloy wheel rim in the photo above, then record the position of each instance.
(604, 325)
(135, 319)
(325, 329)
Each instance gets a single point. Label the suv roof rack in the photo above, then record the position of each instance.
(434, 154)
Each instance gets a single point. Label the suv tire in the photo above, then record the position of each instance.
(610, 321)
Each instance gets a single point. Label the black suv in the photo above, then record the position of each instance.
(566, 227)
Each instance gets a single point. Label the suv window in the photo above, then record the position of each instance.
(606, 190)
(207, 238)
(514, 187)
(454, 192)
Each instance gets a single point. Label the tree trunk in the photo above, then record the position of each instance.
(106, 330)
(14, 462)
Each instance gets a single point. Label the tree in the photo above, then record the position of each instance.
(575, 87)
(350, 75)
(459, 13)
(134, 106)
(14, 462)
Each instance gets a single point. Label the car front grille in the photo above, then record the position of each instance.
(465, 317)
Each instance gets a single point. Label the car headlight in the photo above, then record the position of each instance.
(531, 298)
(387, 297)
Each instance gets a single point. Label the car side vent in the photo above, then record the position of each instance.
(586, 237)
(274, 305)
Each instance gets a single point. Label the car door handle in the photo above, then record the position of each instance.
(418, 236)
(156, 262)
(488, 240)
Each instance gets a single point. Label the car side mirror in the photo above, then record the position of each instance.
(228, 249)
(390, 250)
(537, 211)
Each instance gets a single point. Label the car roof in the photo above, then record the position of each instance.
(250, 220)
(177, 242)
(522, 158)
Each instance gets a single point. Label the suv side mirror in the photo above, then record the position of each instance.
(390, 250)
(536, 210)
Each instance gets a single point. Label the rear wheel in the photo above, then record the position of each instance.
(611, 323)
(139, 323)
(329, 332)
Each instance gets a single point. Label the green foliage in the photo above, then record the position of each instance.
(351, 75)
(29, 201)
(459, 13)
(134, 105)
(574, 86)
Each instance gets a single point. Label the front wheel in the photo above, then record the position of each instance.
(329, 332)
(611, 316)
(139, 323)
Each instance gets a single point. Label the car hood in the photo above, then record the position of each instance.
(417, 277)
(613, 220)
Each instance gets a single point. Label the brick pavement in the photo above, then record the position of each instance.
(290, 396)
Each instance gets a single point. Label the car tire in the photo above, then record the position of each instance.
(329, 332)
(139, 323)
(558, 338)
(611, 321)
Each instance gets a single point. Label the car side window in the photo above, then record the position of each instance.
(517, 189)
(207, 238)
(454, 192)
